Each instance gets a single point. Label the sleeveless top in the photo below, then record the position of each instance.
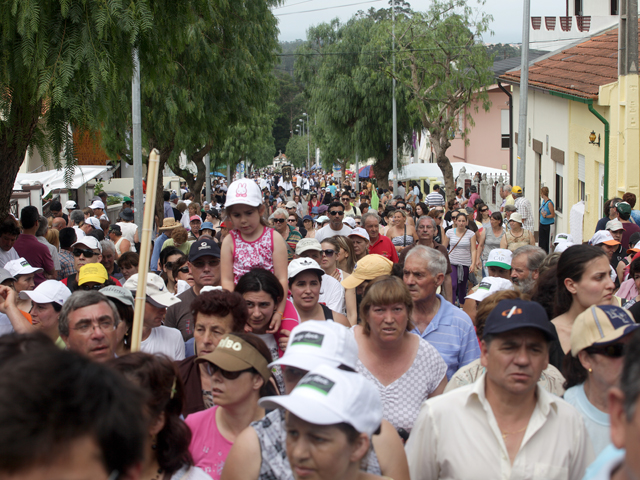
(118, 245)
(273, 438)
(248, 255)
(402, 240)
(491, 242)
(513, 243)
(208, 447)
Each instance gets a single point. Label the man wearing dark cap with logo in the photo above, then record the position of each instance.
(204, 265)
(504, 425)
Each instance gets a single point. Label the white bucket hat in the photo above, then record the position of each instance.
(157, 293)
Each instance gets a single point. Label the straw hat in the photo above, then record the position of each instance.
(169, 224)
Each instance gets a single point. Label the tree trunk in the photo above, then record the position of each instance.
(381, 169)
(162, 161)
(441, 145)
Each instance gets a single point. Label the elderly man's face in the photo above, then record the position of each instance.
(92, 332)
(421, 283)
(425, 230)
(372, 225)
(520, 273)
(108, 259)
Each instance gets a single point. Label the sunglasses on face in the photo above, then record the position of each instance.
(292, 220)
(485, 210)
(184, 269)
(279, 220)
(328, 252)
(80, 251)
(334, 213)
(612, 351)
(211, 369)
(202, 263)
(88, 288)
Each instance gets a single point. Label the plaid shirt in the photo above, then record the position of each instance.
(523, 206)
(66, 264)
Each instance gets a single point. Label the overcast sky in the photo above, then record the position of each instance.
(507, 15)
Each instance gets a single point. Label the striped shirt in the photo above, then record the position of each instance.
(434, 199)
(452, 333)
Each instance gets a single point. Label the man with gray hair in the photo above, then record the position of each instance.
(380, 244)
(87, 325)
(507, 198)
(41, 233)
(525, 267)
(446, 327)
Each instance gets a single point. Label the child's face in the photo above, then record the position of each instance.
(245, 218)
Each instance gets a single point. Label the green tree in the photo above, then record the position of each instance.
(443, 67)
(297, 151)
(291, 103)
(57, 57)
(350, 94)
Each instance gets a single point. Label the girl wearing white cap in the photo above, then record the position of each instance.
(250, 242)
(331, 416)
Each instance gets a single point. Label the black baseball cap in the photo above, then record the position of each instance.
(204, 247)
(514, 314)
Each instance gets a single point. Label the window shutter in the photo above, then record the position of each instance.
(581, 168)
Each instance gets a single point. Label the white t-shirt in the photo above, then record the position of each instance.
(128, 231)
(79, 233)
(164, 340)
(8, 256)
(332, 294)
(328, 232)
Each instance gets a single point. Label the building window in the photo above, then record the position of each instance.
(504, 128)
(582, 196)
(582, 178)
(559, 186)
(615, 7)
(578, 5)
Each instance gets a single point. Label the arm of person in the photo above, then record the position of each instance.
(352, 305)
(8, 306)
(503, 241)
(620, 270)
(48, 266)
(244, 458)
(125, 246)
(280, 264)
(532, 238)
(136, 238)
(441, 386)
(341, 319)
(552, 210)
(422, 447)
(482, 239)
(226, 264)
(469, 308)
(390, 453)
(474, 256)
(447, 289)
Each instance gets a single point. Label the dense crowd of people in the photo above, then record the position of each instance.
(297, 328)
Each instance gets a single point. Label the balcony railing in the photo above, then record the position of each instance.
(550, 23)
(536, 22)
(583, 23)
(565, 24)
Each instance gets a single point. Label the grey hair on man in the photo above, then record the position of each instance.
(107, 246)
(370, 215)
(436, 262)
(43, 226)
(81, 299)
(280, 211)
(535, 256)
(507, 188)
(77, 216)
(431, 220)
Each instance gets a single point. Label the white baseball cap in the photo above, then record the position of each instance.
(563, 237)
(20, 267)
(603, 236)
(317, 342)
(49, 291)
(89, 242)
(359, 232)
(562, 246)
(244, 192)
(499, 257)
(299, 265)
(321, 219)
(489, 285)
(328, 396)
(614, 225)
(70, 205)
(94, 222)
(97, 204)
(157, 293)
(349, 221)
(308, 244)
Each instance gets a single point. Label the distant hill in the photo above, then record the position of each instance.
(504, 51)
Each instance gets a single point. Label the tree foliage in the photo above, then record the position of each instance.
(297, 150)
(291, 106)
(350, 93)
(443, 67)
(56, 58)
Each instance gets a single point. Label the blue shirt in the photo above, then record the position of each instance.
(452, 333)
(155, 256)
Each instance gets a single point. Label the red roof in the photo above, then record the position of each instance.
(579, 70)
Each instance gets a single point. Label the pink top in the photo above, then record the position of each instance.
(208, 447)
(628, 289)
(248, 255)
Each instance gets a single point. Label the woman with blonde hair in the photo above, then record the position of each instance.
(401, 234)
(346, 254)
(53, 237)
(406, 369)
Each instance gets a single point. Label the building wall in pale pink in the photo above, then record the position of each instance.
(484, 146)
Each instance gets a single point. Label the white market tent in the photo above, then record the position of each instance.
(418, 171)
(54, 179)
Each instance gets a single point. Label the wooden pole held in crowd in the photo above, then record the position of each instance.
(145, 249)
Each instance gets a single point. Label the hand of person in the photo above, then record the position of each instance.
(274, 325)
(247, 328)
(284, 339)
(336, 274)
(7, 298)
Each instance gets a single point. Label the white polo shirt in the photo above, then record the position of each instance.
(456, 436)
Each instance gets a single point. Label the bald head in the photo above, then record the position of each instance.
(59, 223)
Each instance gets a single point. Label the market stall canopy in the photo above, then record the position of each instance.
(417, 171)
(54, 179)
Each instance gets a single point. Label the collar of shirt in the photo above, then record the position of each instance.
(545, 404)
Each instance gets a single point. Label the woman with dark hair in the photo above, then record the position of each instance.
(634, 275)
(583, 280)
(405, 369)
(421, 209)
(165, 262)
(215, 314)
(240, 376)
(166, 453)
(182, 277)
(594, 366)
(128, 264)
(490, 238)
(460, 197)
(462, 255)
(438, 216)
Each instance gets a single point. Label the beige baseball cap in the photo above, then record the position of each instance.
(369, 267)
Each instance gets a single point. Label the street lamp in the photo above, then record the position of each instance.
(308, 119)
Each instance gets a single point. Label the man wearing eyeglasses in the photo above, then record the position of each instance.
(349, 209)
(335, 227)
(85, 251)
(204, 265)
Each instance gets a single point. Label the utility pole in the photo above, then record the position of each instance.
(136, 117)
(393, 102)
(357, 175)
(207, 164)
(524, 96)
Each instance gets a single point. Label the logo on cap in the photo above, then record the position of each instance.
(308, 338)
(241, 191)
(512, 311)
(317, 382)
(616, 314)
(25, 264)
(484, 286)
(228, 343)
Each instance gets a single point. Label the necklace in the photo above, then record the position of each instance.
(506, 434)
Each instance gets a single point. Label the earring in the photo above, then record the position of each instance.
(590, 371)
